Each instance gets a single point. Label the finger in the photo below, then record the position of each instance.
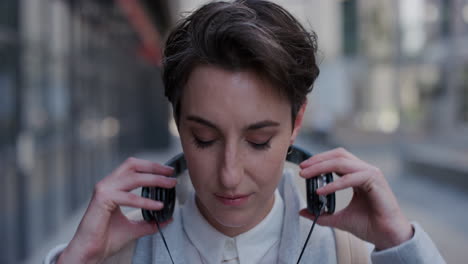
(136, 201)
(144, 166)
(360, 179)
(340, 166)
(137, 180)
(331, 154)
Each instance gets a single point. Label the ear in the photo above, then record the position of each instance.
(298, 122)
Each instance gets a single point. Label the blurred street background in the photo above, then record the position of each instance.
(81, 90)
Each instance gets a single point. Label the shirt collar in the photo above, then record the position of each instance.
(255, 243)
(251, 246)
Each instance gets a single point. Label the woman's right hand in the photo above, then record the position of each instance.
(104, 229)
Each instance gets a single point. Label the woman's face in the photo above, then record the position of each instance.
(235, 130)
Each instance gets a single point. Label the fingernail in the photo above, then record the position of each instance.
(319, 191)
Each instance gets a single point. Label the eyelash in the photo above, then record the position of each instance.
(262, 146)
(204, 144)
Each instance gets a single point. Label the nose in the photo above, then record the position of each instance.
(231, 169)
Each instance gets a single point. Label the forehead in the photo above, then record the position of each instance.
(216, 93)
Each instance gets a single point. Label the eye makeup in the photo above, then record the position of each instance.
(202, 144)
(258, 136)
(261, 146)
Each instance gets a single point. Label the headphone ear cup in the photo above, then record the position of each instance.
(168, 198)
(331, 198)
(314, 204)
(147, 214)
(313, 201)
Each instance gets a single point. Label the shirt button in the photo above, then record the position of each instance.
(230, 245)
(230, 251)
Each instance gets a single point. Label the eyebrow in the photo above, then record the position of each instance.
(254, 126)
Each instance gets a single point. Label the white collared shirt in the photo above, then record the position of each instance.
(258, 245)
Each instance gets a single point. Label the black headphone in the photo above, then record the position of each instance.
(295, 155)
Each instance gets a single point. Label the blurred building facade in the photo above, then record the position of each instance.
(391, 67)
(80, 89)
(406, 63)
(447, 49)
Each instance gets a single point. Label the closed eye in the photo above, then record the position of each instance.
(199, 143)
(261, 146)
(202, 143)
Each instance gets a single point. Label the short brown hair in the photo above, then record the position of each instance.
(253, 35)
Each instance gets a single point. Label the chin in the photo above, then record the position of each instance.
(229, 218)
(232, 221)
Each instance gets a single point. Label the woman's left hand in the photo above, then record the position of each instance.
(373, 213)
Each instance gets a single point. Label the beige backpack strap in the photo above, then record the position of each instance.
(125, 255)
(350, 249)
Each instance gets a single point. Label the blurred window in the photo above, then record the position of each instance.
(445, 26)
(463, 114)
(7, 18)
(8, 25)
(6, 109)
(350, 27)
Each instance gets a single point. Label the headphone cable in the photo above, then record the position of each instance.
(310, 232)
(300, 256)
(164, 240)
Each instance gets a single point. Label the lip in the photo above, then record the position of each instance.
(233, 200)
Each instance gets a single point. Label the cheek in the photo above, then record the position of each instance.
(199, 163)
(198, 167)
(267, 169)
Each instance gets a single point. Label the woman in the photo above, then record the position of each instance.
(237, 74)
